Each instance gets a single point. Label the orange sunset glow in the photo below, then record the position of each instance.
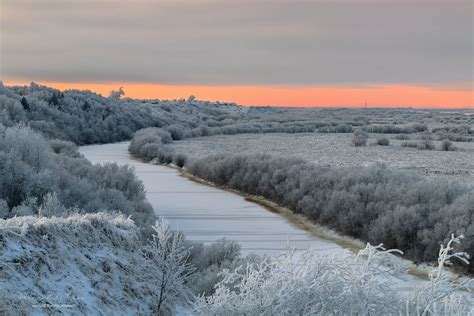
(377, 96)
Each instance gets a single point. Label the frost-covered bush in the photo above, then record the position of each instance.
(447, 145)
(152, 144)
(177, 131)
(425, 144)
(340, 285)
(373, 203)
(51, 206)
(64, 147)
(148, 136)
(180, 160)
(382, 141)
(411, 144)
(210, 260)
(394, 129)
(402, 137)
(456, 133)
(31, 173)
(359, 138)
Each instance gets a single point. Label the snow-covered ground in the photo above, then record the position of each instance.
(337, 150)
(206, 213)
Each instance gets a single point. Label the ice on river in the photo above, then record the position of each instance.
(206, 214)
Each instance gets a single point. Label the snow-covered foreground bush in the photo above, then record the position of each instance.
(37, 175)
(350, 285)
(375, 203)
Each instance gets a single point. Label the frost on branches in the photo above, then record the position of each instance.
(167, 256)
(349, 285)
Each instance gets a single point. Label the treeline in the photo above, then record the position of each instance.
(373, 203)
(84, 117)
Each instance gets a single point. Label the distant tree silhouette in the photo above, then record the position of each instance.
(86, 106)
(25, 104)
(54, 100)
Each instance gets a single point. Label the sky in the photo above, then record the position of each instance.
(308, 53)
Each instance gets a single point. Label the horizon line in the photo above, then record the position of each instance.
(375, 96)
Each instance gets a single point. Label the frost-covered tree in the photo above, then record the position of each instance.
(51, 206)
(117, 94)
(4, 210)
(167, 257)
(25, 104)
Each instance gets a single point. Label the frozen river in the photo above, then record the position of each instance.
(206, 214)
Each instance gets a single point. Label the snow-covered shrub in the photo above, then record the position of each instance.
(359, 138)
(30, 170)
(425, 144)
(149, 136)
(152, 144)
(457, 133)
(180, 160)
(64, 147)
(402, 137)
(177, 131)
(382, 141)
(447, 145)
(440, 296)
(411, 144)
(340, 285)
(51, 206)
(394, 129)
(210, 260)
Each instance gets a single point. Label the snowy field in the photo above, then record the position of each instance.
(337, 150)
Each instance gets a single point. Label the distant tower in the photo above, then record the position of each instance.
(366, 104)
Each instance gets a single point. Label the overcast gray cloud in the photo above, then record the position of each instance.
(333, 42)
